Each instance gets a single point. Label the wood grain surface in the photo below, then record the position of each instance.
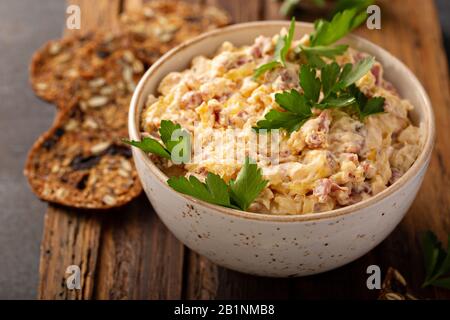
(127, 253)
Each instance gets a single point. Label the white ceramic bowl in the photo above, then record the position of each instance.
(269, 245)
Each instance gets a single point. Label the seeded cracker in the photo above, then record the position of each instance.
(80, 161)
(57, 68)
(160, 25)
(61, 66)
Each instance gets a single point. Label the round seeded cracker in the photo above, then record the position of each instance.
(80, 161)
(160, 25)
(61, 66)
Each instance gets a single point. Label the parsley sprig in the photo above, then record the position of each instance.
(150, 145)
(238, 194)
(437, 261)
(281, 50)
(321, 41)
(337, 85)
(328, 32)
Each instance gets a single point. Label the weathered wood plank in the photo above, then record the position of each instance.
(71, 237)
(97, 14)
(139, 258)
(271, 10)
(418, 43)
(202, 278)
(240, 11)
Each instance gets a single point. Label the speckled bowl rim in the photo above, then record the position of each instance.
(421, 161)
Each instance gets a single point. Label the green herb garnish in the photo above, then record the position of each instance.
(166, 130)
(437, 261)
(214, 190)
(337, 85)
(238, 194)
(325, 34)
(281, 50)
(328, 32)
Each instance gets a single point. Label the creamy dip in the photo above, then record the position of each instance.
(333, 160)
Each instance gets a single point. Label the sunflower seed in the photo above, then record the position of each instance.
(166, 37)
(106, 91)
(128, 56)
(97, 101)
(126, 165)
(60, 193)
(41, 86)
(96, 83)
(100, 147)
(399, 278)
(72, 124)
(109, 200)
(393, 296)
(55, 48)
(138, 67)
(123, 173)
(90, 123)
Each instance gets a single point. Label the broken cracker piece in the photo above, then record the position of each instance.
(395, 287)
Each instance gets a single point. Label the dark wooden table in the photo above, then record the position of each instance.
(128, 253)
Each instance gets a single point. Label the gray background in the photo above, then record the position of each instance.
(24, 26)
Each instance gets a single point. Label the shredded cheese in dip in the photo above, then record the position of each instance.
(333, 160)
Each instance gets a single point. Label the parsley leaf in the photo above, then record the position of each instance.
(166, 130)
(248, 185)
(150, 145)
(373, 106)
(437, 261)
(353, 73)
(275, 119)
(294, 102)
(314, 54)
(214, 190)
(264, 68)
(239, 194)
(326, 51)
(309, 83)
(343, 100)
(329, 76)
(337, 85)
(281, 50)
(328, 32)
(365, 106)
(298, 110)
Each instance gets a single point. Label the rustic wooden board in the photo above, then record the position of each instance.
(128, 254)
(72, 237)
